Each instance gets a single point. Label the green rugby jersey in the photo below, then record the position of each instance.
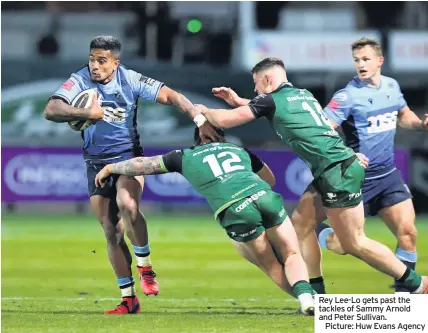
(221, 172)
(299, 120)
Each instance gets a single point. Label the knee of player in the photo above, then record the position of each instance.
(354, 245)
(128, 206)
(112, 235)
(407, 229)
(333, 244)
(301, 226)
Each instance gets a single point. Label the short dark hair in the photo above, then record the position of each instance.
(358, 44)
(197, 139)
(106, 43)
(267, 63)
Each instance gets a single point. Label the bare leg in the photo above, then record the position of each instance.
(129, 191)
(260, 253)
(107, 216)
(348, 224)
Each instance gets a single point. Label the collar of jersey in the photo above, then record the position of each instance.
(284, 85)
(367, 86)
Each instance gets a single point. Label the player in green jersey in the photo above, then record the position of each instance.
(299, 121)
(237, 185)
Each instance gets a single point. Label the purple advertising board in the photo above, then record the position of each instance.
(59, 174)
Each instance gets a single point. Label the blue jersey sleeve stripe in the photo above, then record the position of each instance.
(62, 96)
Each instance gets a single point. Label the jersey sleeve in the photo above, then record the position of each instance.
(263, 106)
(401, 100)
(256, 163)
(144, 87)
(68, 90)
(173, 161)
(340, 106)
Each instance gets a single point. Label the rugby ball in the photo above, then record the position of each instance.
(82, 100)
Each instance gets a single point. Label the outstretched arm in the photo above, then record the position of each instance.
(230, 97)
(409, 120)
(171, 97)
(133, 167)
(229, 118)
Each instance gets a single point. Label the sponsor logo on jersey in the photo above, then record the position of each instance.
(282, 212)
(340, 97)
(243, 190)
(333, 105)
(249, 200)
(382, 122)
(67, 85)
(259, 97)
(301, 98)
(147, 80)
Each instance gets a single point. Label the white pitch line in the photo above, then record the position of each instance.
(156, 299)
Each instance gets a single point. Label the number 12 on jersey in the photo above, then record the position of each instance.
(226, 165)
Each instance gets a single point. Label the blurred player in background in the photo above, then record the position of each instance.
(367, 110)
(237, 185)
(113, 137)
(299, 121)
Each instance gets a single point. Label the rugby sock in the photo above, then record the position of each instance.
(408, 259)
(322, 231)
(302, 287)
(142, 253)
(126, 285)
(317, 283)
(411, 280)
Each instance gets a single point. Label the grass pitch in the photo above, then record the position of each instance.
(56, 278)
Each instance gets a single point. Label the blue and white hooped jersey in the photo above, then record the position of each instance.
(368, 118)
(112, 139)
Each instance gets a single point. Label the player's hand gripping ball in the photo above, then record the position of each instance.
(83, 100)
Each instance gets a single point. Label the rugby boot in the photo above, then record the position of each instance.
(148, 281)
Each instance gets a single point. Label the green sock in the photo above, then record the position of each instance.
(410, 280)
(317, 283)
(302, 287)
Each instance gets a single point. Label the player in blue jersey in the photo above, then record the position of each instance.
(367, 111)
(112, 138)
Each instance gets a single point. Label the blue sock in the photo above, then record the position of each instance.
(141, 251)
(322, 231)
(408, 258)
(142, 254)
(126, 285)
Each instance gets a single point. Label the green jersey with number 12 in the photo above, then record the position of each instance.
(222, 172)
(300, 122)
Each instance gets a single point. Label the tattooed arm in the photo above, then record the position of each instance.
(133, 167)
